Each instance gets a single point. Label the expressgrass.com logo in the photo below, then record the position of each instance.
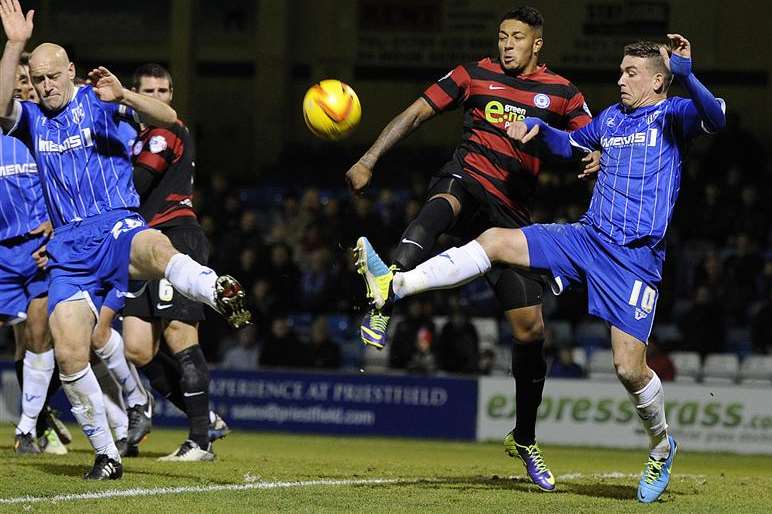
(680, 414)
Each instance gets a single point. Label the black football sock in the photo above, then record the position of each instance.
(164, 378)
(419, 237)
(529, 369)
(195, 390)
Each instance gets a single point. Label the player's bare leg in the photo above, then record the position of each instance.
(182, 339)
(645, 391)
(72, 324)
(153, 257)
(529, 369)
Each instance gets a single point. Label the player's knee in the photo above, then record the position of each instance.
(455, 204)
(493, 241)
(139, 353)
(629, 374)
(528, 330)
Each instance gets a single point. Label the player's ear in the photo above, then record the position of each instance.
(537, 44)
(71, 71)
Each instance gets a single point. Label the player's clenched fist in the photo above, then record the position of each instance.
(518, 131)
(358, 176)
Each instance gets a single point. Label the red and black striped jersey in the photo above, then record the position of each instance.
(169, 154)
(492, 100)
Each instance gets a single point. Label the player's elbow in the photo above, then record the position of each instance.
(169, 119)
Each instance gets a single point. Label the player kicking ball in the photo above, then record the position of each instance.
(100, 240)
(618, 247)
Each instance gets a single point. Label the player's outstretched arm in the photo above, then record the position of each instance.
(557, 141)
(708, 107)
(358, 176)
(151, 111)
(18, 30)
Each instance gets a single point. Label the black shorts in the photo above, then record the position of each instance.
(159, 299)
(514, 287)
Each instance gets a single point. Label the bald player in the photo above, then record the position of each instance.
(101, 241)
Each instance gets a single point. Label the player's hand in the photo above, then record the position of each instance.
(18, 28)
(44, 228)
(107, 87)
(592, 167)
(518, 131)
(679, 46)
(40, 256)
(358, 177)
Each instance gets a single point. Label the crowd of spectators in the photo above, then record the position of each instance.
(289, 246)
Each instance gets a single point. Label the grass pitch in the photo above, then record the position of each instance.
(306, 473)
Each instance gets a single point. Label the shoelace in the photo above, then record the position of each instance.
(379, 321)
(653, 470)
(538, 459)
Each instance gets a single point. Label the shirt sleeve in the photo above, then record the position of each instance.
(161, 149)
(450, 91)
(577, 113)
(24, 115)
(688, 120)
(587, 138)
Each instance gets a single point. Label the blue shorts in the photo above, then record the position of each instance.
(20, 279)
(87, 259)
(622, 281)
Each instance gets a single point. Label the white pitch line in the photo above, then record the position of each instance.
(119, 493)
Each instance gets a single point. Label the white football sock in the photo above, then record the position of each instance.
(112, 354)
(82, 389)
(449, 269)
(191, 279)
(37, 372)
(116, 418)
(650, 404)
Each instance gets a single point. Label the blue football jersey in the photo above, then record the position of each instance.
(641, 156)
(21, 197)
(84, 164)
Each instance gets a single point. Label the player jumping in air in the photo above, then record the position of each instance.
(618, 247)
(489, 183)
(100, 240)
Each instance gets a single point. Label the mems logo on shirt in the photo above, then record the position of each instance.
(648, 137)
(84, 139)
(17, 169)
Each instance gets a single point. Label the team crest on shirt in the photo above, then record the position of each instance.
(157, 144)
(77, 114)
(541, 101)
(651, 117)
(610, 122)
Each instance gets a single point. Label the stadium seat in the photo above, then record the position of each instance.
(756, 370)
(579, 356)
(601, 365)
(351, 354)
(503, 365)
(486, 327)
(720, 368)
(688, 366)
